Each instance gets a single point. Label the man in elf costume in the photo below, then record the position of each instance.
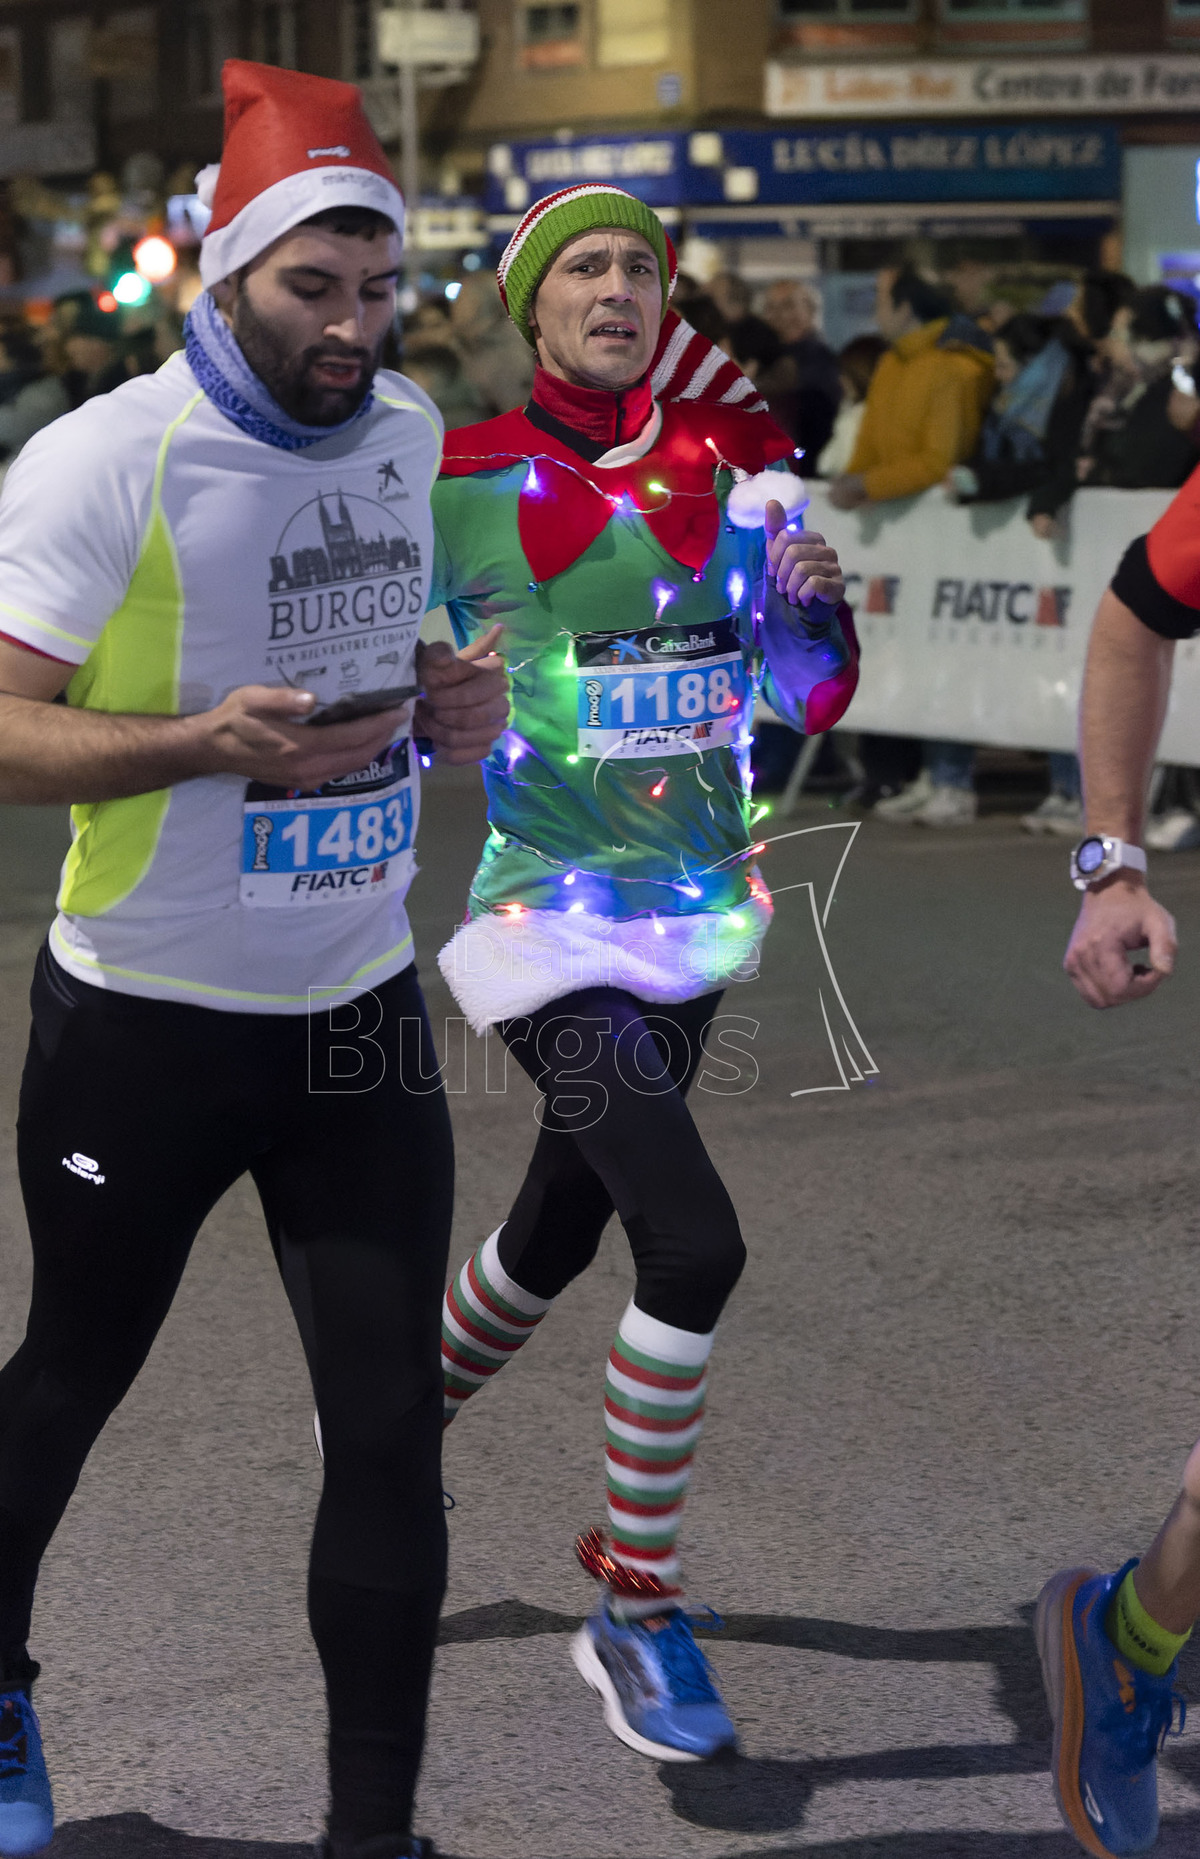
(628, 530)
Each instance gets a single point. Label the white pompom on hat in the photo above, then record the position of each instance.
(294, 145)
(206, 184)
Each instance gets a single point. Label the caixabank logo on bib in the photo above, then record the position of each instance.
(344, 573)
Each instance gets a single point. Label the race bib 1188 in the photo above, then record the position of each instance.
(352, 838)
(667, 690)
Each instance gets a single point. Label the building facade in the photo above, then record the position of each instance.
(790, 135)
(830, 136)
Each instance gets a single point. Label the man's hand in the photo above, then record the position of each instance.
(804, 566)
(259, 731)
(1114, 919)
(1045, 527)
(465, 706)
(848, 491)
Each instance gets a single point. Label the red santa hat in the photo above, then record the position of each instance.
(294, 145)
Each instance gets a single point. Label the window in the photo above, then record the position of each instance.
(360, 59)
(633, 32)
(847, 9)
(276, 39)
(1020, 12)
(360, 40)
(124, 52)
(551, 35)
(211, 39)
(544, 23)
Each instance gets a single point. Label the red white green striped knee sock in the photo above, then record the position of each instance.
(485, 1319)
(654, 1410)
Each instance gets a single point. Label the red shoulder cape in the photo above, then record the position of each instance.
(565, 503)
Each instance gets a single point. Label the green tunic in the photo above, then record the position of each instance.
(622, 785)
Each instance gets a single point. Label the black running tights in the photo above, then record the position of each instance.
(616, 1134)
(135, 1117)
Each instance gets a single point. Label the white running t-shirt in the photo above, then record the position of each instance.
(170, 556)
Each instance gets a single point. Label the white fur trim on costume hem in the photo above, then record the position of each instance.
(284, 205)
(499, 967)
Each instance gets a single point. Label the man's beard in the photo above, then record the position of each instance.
(285, 376)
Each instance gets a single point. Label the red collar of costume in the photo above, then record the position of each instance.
(565, 503)
(607, 419)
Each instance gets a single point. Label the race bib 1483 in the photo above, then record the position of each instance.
(351, 839)
(667, 690)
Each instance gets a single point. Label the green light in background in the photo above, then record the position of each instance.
(131, 289)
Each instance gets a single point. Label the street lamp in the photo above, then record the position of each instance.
(417, 38)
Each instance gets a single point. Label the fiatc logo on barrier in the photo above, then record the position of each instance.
(881, 592)
(1018, 601)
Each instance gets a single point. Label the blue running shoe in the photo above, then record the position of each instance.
(26, 1809)
(397, 1846)
(655, 1684)
(1110, 1718)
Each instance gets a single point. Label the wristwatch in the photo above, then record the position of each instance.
(1097, 857)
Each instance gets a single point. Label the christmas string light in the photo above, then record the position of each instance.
(571, 873)
(533, 459)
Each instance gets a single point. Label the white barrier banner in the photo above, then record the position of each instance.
(973, 630)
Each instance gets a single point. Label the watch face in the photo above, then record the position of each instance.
(1090, 856)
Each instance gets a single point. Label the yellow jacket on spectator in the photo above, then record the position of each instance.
(924, 408)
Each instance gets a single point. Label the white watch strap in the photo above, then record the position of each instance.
(1124, 853)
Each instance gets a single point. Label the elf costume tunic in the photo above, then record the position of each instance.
(637, 634)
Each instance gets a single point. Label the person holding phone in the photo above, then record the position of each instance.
(203, 563)
(637, 529)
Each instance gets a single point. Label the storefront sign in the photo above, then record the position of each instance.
(421, 36)
(859, 163)
(971, 162)
(652, 167)
(945, 86)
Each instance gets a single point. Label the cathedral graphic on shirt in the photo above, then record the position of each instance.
(322, 544)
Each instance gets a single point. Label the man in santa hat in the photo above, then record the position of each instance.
(638, 529)
(224, 567)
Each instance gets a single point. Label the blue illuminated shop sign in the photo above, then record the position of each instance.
(863, 163)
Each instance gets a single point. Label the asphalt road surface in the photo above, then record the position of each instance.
(959, 1358)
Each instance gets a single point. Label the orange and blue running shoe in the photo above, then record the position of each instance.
(1110, 1719)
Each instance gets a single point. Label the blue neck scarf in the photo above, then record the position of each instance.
(1020, 416)
(233, 387)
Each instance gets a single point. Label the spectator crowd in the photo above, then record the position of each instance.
(1093, 385)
